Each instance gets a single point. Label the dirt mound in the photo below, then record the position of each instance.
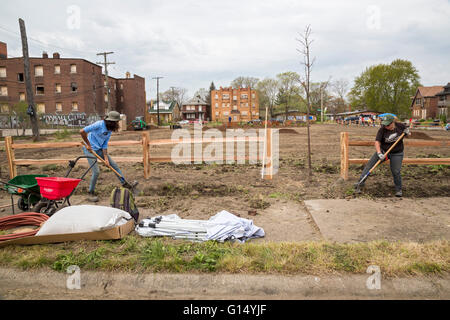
(290, 131)
(420, 135)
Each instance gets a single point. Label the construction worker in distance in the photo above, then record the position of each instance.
(387, 135)
(97, 136)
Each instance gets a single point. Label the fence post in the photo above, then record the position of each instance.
(344, 155)
(268, 174)
(10, 156)
(145, 153)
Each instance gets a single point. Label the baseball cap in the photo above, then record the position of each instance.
(387, 120)
(113, 116)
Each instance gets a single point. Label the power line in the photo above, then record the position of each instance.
(47, 45)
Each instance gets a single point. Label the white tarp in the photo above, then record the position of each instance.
(223, 226)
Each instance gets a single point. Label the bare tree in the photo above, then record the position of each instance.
(340, 88)
(305, 50)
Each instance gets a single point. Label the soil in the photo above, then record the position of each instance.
(201, 190)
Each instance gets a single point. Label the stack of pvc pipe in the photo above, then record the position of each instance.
(223, 226)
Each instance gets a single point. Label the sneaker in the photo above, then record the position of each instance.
(92, 197)
(399, 194)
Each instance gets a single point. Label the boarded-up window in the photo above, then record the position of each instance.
(22, 96)
(4, 108)
(73, 68)
(58, 107)
(2, 72)
(3, 91)
(58, 88)
(38, 71)
(40, 108)
(57, 69)
(74, 106)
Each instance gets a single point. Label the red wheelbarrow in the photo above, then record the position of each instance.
(56, 191)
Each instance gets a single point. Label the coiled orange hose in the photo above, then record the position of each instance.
(19, 220)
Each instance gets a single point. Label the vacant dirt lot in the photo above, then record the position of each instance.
(200, 191)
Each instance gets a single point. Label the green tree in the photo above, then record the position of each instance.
(245, 82)
(19, 113)
(290, 91)
(267, 93)
(386, 88)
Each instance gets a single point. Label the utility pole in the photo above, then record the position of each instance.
(157, 96)
(27, 74)
(105, 64)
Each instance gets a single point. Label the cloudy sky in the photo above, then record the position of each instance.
(193, 42)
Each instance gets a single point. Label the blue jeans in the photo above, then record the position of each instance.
(396, 166)
(96, 170)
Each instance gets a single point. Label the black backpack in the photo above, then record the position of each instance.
(122, 198)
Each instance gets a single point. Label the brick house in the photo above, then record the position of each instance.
(239, 104)
(195, 110)
(444, 101)
(425, 102)
(67, 86)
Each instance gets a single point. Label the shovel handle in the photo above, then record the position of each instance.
(102, 160)
(387, 152)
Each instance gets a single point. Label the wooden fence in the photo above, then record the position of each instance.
(146, 157)
(345, 161)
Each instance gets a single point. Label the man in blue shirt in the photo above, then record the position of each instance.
(97, 136)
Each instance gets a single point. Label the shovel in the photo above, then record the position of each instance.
(358, 185)
(133, 187)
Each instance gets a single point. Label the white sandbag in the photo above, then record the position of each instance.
(84, 218)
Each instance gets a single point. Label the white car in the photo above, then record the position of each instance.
(182, 122)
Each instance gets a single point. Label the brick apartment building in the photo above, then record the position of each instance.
(63, 86)
(239, 104)
(425, 102)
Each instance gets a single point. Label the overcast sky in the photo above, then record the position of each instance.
(193, 42)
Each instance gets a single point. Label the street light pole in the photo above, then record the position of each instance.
(157, 96)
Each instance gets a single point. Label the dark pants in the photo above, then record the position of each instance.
(396, 166)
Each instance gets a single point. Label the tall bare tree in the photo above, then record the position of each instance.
(340, 88)
(305, 50)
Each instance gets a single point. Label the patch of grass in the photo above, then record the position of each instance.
(50, 167)
(136, 254)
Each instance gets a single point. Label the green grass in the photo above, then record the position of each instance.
(137, 254)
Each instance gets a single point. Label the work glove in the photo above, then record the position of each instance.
(381, 156)
(407, 132)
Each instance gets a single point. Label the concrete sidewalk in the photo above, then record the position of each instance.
(392, 219)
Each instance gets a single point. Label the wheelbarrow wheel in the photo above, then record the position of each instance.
(22, 204)
(40, 207)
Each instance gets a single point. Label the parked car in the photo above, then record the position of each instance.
(255, 121)
(183, 122)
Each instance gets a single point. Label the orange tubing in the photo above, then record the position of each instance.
(20, 220)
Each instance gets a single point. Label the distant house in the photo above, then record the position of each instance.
(195, 109)
(424, 104)
(444, 101)
(168, 112)
(293, 115)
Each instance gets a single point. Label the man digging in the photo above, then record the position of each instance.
(96, 136)
(387, 136)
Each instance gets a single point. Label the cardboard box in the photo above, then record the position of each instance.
(110, 234)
